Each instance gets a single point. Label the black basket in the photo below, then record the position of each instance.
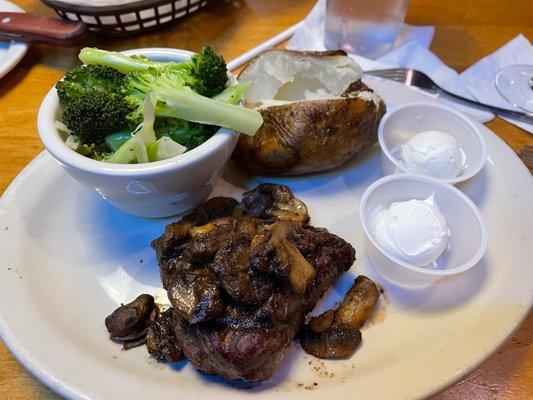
(127, 19)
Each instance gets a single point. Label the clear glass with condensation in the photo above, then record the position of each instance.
(515, 84)
(364, 27)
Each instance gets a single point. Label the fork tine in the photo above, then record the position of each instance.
(383, 72)
(395, 74)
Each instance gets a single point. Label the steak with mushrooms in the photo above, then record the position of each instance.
(241, 278)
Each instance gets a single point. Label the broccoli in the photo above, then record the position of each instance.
(96, 151)
(185, 104)
(80, 80)
(96, 115)
(189, 134)
(209, 71)
(205, 72)
(104, 102)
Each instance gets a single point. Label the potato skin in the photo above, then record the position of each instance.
(310, 136)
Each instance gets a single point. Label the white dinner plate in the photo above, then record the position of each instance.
(68, 259)
(12, 51)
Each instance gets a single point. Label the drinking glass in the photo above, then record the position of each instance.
(515, 84)
(365, 27)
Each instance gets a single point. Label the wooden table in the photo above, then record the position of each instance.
(466, 30)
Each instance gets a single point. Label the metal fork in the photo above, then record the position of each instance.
(412, 77)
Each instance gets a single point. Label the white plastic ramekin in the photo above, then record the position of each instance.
(468, 240)
(401, 123)
(154, 190)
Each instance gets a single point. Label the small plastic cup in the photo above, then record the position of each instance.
(468, 239)
(401, 123)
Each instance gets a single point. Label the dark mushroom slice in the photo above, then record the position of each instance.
(195, 295)
(129, 344)
(322, 322)
(270, 201)
(337, 341)
(161, 340)
(214, 208)
(167, 245)
(232, 267)
(130, 321)
(359, 302)
(273, 252)
(205, 240)
(335, 333)
(171, 269)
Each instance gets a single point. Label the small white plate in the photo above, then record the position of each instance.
(12, 51)
(67, 259)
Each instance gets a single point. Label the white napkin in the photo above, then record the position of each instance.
(413, 55)
(479, 78)
(411, 51)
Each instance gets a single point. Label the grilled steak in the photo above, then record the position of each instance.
(241, 278)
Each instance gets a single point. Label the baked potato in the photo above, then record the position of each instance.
(317, 113)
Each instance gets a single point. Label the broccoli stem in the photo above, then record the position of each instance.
(233, 94)
(115, 140)
(118, 61)
(124, 155)
(185, 104)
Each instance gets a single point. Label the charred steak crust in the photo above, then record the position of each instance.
(161, 341)
(238, 307)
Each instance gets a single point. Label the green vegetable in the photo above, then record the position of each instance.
(205, 73)
(110, 93)
(94, 115)
(115, 140)
(143, 146)
(85, 79)
(233, 94)
(185, 104)
(189, 134)
(124, 155)
(97, 151)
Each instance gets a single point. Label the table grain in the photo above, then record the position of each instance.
(466, 30)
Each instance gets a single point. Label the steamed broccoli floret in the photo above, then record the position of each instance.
(205, 73)
(96, 151)
(80, 80)
(96, 115)
(209, 71)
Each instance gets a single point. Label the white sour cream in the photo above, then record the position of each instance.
(433, 153)
(414, 231)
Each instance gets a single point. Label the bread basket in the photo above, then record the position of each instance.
(127, 19)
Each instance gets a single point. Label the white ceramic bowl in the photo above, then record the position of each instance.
(401, 123)
(468, 239)
(154, 190)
